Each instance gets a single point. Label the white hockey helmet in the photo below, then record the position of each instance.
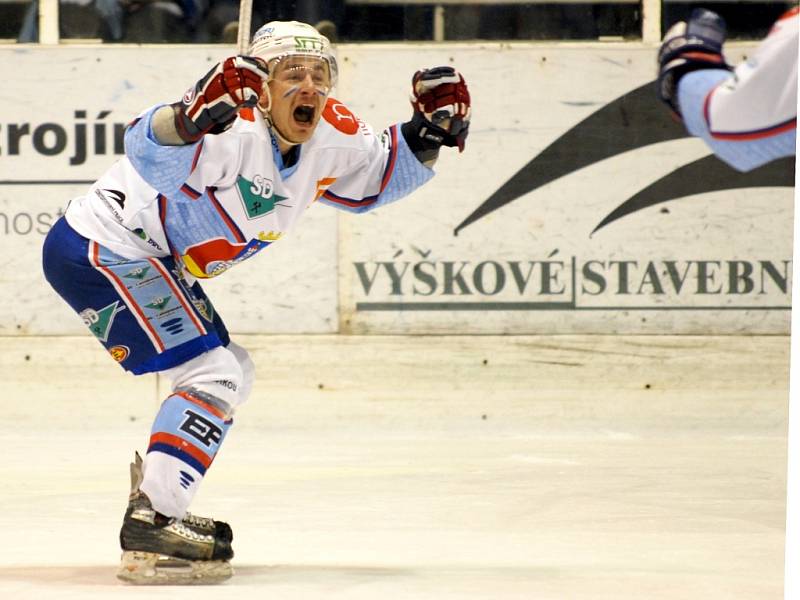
(277, 39)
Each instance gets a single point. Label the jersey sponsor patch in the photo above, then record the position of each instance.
(119, 353)
(137, 273)
(338, 115)
(212, 258)
(201, 428)
(322, 185)
(117, 196)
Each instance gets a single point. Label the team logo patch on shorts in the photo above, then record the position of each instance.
(99, 321)
(159, 303)
(119, 353)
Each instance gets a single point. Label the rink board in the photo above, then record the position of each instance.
(686, 257)
(580, 383)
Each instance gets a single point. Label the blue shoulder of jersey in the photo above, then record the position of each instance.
(165, 168)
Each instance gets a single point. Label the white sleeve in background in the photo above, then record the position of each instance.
(748, 117)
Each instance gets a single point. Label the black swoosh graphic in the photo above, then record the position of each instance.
(634, 120)
(712, 175)
(631, 121)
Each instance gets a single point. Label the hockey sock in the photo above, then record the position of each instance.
(185, 438)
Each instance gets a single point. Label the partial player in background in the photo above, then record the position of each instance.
(205, 183)
(747, 115)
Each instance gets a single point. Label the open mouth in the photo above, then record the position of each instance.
(304, 113)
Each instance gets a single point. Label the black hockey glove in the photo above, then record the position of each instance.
(441, 103)
(689, 47)
(212, 105)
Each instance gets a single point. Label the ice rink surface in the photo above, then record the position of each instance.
(392, 468)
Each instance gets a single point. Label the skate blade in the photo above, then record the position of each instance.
(148, 568)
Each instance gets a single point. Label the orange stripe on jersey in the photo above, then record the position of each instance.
(758, 134)
(247, 114)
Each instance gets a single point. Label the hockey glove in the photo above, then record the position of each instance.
(212, 105)
(441, 103)
(689, 47)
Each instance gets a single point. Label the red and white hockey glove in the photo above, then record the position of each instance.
(211, 106)
(441, 103)
(690, 46)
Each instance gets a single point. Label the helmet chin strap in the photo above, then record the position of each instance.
(265, 112)
(274, 129)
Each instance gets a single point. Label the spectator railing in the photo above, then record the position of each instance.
(652, 12)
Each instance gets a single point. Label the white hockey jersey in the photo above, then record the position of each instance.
(748, 117)
(217, 202)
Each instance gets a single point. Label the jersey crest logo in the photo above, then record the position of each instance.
(258, 196)
(99, 321)
(630, 122)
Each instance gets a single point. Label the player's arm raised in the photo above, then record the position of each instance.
(162, 143)
(401, 160)
(212, 104)
(747, 116)
(690, 46)
(442, 109)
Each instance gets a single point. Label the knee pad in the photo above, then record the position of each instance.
(218, 374)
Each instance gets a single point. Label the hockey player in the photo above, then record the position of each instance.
(746, 115)
(205, 183)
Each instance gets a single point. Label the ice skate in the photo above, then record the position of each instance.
(160, 550)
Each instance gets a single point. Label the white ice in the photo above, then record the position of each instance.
(410, 468)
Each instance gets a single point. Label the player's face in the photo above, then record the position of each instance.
(299, 86)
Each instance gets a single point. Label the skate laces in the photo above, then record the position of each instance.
(204, 522)
(184, 531)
